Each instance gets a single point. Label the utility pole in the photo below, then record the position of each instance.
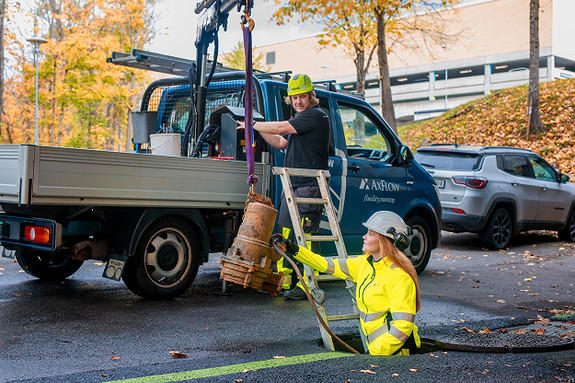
(36, 40)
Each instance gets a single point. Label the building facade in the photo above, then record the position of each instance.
(489, 51)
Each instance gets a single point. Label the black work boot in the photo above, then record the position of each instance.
(295, 294)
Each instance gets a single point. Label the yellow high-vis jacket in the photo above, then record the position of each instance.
(383, 291)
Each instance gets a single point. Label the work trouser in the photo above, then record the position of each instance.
(311, 218)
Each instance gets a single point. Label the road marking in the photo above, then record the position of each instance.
(234, 368)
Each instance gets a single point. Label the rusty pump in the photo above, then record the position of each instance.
(248, 260)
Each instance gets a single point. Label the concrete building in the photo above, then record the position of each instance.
(490, 52)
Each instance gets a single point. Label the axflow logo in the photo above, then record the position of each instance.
(379, 185)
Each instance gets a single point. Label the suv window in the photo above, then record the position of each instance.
(448, 160)
(362, 138)
(542, 170)
(516, 165)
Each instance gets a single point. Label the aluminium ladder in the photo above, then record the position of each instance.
(336, 237)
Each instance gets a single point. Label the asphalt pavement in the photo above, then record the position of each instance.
(89, 329)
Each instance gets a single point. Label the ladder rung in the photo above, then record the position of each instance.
(326, 277)
(312, 201)
(342, 317)
(321, 238)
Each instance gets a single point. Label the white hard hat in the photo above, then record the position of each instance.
(382, 221)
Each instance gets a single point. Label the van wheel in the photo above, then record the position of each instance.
(568, 233)
(50, 266)
(419, 249)
(497, 234)
(166, 260)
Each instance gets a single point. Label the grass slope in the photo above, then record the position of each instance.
(500, 119)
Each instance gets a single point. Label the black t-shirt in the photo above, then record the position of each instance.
(309, 148)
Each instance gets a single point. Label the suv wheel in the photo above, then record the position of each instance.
(568, 233)
(497, 234)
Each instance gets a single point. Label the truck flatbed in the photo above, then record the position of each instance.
(43, 175)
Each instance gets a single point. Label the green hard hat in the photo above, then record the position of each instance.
(298, 84)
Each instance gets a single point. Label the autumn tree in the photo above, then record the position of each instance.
(348, 25)
(534, 124)
(364, 25)
(237, 59)
(84, 101)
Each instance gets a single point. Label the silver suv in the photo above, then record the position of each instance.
(499, 191)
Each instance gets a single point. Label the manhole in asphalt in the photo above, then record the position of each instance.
(496, 342)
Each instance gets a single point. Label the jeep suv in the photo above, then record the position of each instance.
(499, 191)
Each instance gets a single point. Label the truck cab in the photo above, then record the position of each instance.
(370, 168)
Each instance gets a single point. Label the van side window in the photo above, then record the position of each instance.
(516, 165)
(542, 170)
(362, 137)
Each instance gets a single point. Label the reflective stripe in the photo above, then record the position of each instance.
(400, 335)
(381, 330)
(403, 316)
(372, 336)
(344, 269)
(330, 266)
(370, 317)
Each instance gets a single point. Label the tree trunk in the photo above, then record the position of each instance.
(384, 81)
(2, 14)
(360, 73)
(534, 124)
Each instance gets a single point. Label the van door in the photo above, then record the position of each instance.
(371, 182)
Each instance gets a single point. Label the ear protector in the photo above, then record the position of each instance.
(400, 240)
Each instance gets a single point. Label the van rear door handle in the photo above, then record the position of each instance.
(514, 184)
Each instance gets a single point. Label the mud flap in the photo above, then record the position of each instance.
(115, 267)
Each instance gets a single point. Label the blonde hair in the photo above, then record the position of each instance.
(314, 101)
(400, 260)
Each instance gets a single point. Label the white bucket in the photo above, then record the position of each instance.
(166, 144)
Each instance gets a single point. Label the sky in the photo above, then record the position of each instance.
(176, 26)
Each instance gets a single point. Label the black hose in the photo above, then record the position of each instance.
(308, 295)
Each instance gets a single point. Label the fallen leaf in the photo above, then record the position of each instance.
(115, 358)
(368, 372)
(540, 331)
(394, 375)
(238, 380)
(413, 369)
(501, 301)
(468, 330)
(178, 355)
(373, 366)
(279, 357)
(104, 375)
(246, 370)
(485, 331)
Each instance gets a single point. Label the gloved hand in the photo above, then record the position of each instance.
(291, 248)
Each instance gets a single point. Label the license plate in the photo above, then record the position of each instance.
(440, 183)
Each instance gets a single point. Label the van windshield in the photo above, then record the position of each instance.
(448, 160)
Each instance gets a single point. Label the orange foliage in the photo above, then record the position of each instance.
(500, 119)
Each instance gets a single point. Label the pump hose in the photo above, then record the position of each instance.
(308, 295)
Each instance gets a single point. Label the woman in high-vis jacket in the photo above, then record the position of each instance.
(387, 290)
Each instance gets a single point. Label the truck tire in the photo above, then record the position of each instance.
(496, 235)
(419, 250)
(46, 265)
(568, 233)
(166, 260)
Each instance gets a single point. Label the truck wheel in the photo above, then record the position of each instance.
(568, 233)
(497, 234)
(419, 249)
(166, 260)
(46, 265)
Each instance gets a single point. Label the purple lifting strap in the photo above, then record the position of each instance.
(252, 178)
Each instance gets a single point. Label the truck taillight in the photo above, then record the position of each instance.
(472, 182)
(38, 234)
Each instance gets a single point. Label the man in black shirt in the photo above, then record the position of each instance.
(305, 139)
